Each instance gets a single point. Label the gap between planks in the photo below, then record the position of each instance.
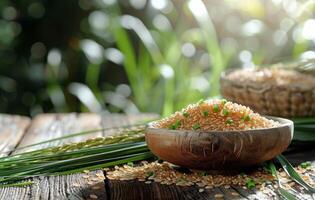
(12, 129)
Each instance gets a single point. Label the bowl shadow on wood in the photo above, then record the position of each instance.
(219, 150)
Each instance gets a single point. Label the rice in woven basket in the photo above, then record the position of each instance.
(275, 91)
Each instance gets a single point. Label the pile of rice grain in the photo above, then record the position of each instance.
(215, 115)
(273, 76)
(165, 173)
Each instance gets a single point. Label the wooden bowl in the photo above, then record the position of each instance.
(219, 150)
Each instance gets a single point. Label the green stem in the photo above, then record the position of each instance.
(21, 184)
(48, 167)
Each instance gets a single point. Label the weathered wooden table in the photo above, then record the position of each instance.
(17, 131)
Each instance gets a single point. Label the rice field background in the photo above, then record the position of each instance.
(139, 55)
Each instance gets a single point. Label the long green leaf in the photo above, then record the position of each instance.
(307, 127)
(84, 151)
(200, 13)
(293, 174)
(304, 136)
(89, 164)
(46, 167)
(284, 193)
(6, 182)
(308, 120)
(20, 184)
(140, 156)
(83, 133)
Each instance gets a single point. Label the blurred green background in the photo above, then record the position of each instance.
(139, 55)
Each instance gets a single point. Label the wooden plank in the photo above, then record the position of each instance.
(12, 128)
(132, 190)
(76, 186)
(48, 126)
(118, 120)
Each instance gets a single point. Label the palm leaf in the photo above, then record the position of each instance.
(309, 120)
(293, 174)
(284, 193)
(303, 136)
(304, 131)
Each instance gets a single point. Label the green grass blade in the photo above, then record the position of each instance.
(309, 120)
(285, 194)
(140, 156)
(62, 138)
(142, 123)
(48, 167)
(124, 44)
(99, 162)
(308, 127)
(124, 137)
(200, 13)
(135, 24)
(293, 174)
(20, 184)
(6, 182)
(303, 136)
(92, 77)
(54, 156)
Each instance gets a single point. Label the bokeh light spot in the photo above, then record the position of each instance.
(54, 57)
(38, 50)
(308, 31)
(36, 10)
(166, 71)
(162, 23)
(159, 4)
(138, 4)
(98, 20)
(9, 13)
(188, 49)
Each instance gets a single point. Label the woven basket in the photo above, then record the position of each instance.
(276, 100)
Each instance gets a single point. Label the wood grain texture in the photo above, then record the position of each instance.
(135, 190)
(49, 126)
(12, 128)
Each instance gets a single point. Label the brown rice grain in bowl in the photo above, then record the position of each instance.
(215, 115)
